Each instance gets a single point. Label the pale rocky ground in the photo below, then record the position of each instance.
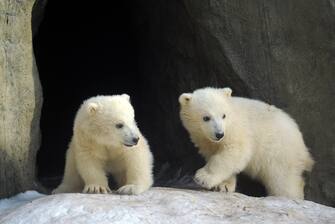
(161, 205)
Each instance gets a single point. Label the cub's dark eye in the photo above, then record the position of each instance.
(223, 116)
(119, 126)
(206, 118)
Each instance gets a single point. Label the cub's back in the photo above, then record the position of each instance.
(260, 113)
(267, 122)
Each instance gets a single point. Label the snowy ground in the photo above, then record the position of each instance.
(160, 205)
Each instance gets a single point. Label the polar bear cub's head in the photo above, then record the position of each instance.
(109, 120)
(205, 112)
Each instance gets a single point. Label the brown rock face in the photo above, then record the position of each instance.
(20, 99)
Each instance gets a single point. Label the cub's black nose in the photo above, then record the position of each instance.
(219, 135)
(135, 140)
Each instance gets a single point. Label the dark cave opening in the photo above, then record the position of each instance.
(83, 50)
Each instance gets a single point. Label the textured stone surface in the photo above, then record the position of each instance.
(167, 205)
(279, 51)
(20, 98)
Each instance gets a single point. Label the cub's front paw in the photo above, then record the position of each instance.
(130, 189)
(96, 189)
(225, 186)
(205, 179)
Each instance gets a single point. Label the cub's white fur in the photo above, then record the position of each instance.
(104, 142)
(258, 139)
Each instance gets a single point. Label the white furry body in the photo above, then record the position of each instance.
(260, 140)
(97, 149)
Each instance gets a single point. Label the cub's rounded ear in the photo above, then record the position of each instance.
(227, 91)
(92, 108)
(126, 96)
(185, 98)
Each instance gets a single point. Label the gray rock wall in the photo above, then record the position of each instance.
(20, 99)
(279, 51)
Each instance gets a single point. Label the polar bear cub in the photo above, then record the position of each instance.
(236, 134)
(106, 140)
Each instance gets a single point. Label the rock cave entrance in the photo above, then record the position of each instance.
(83, 50)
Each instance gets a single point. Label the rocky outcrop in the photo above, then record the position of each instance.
(166, 205)
(20, 99)
(281, 52)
